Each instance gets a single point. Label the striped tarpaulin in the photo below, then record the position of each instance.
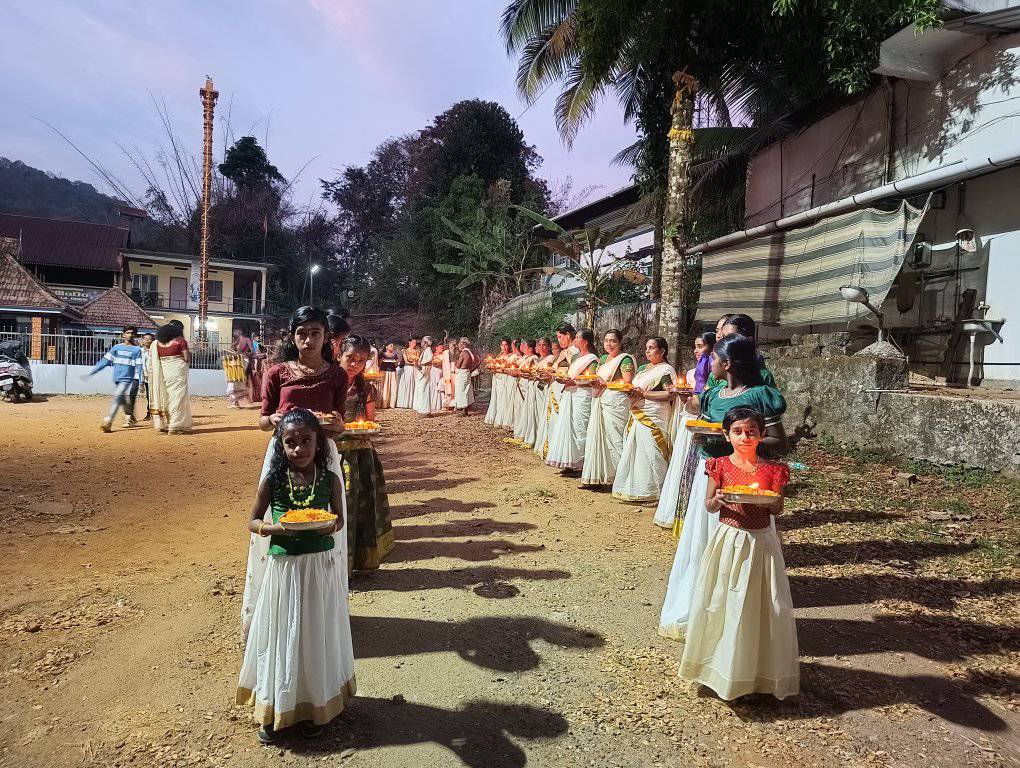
(792, 278)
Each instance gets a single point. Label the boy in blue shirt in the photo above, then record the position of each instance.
(126, 359)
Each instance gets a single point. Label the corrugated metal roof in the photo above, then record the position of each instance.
(66, 243)
(19, 289)
(114, 308)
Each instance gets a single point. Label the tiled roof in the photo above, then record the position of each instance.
(18, 288)
(114, 308)
(66, 243)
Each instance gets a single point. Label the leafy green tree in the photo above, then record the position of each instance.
(247, 165)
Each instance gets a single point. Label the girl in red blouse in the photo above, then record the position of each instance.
(741, 637)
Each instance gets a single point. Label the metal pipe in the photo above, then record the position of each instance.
(958, 170)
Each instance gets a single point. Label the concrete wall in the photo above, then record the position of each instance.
(52, 379)
(847, 398)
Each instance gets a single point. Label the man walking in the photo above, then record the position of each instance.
(126, 359)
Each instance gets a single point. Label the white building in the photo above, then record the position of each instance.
(873, 191)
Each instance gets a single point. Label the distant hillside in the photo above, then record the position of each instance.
(30, 192)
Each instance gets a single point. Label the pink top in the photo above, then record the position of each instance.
(770, 476)
(324, 392)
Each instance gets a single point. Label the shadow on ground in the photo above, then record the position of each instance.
(501, 643)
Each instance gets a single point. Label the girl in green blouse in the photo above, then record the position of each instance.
(298, 666)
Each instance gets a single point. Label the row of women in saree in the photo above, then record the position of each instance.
(636, 439)
(607, 417)
(298, 664)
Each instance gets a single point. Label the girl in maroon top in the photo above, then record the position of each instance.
(741, 636)
(306, 375)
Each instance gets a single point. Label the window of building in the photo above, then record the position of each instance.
(145, 283)
(214, 290)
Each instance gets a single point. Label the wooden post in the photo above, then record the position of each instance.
(208, 95)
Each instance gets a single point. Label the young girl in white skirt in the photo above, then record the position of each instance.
(298, 664)
(741, 638)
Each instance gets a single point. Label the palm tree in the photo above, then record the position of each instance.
(750, 63)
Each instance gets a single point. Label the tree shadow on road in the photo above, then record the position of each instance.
(430, 483)
(807, 555)
(939, 638)
(815, 518)
(819, 591)
(415, 579)
(500, 643)
(474, 551)
(439, 504)
(485, 526)
(828, 691)
(477, 733)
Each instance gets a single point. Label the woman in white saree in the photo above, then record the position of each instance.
(610, 411)
(168, 386)
(497, 387)
(554, 389)
(534, 403)
(405, 379)
(567, 439)
(422, 395)
(647, 449)
(524, 414)
(509, 396)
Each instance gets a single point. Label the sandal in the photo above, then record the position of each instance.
(309, 730)
(266, 734)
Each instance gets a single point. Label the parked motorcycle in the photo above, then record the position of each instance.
(15, 372)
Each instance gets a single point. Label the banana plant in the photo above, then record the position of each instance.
(588, 262)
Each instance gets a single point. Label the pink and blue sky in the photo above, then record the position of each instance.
(328, 79)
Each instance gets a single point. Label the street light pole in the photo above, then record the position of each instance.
(311, 283)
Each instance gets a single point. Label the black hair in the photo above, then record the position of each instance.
(566, 328)
(337, 324)
(740, 352)
(178, 323)
(505, 340)
(147, 333)
(615, 331)
(133, 328)
(342, 312)
(740, 413)
(724, 319)
(530, 343)
(744, 324)
(588, 336)
(708, 339)
(357, 343)
(278, 461)
(547, 341)
(302, 316)
(661, 343)
(167, 333)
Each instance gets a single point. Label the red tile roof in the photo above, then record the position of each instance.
(66, 243)
(114, 308)
(20, 290)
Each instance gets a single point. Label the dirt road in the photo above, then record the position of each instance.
(514, 624)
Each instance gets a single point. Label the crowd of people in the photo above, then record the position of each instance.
(682, 442)
(685, 442)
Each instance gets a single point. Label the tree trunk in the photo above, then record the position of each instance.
(681, 137)
(657, 241)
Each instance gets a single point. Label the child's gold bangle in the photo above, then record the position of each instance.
(261, 526)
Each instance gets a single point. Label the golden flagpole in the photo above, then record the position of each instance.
(208, 95)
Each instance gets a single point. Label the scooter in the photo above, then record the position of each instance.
(15, 372)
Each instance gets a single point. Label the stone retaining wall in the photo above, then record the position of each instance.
(863, 401)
